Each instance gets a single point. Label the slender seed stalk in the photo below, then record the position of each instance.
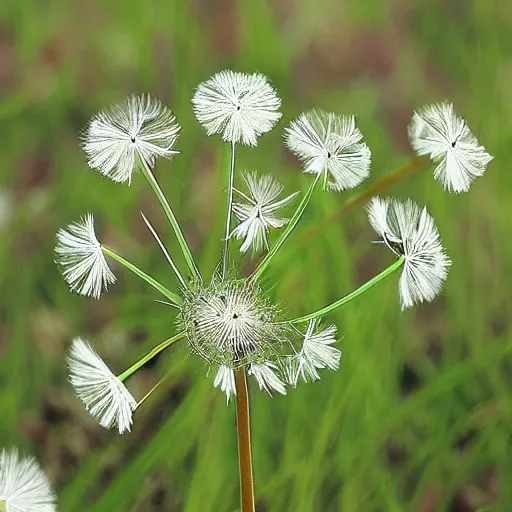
(173, 297)
(347, 298)
(165, 251)
(288, 230)
(377, 188)
(141, 362)
(172, 219)
(227, 231)
(243, 428)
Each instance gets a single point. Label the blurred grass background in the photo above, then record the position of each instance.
(419, 415)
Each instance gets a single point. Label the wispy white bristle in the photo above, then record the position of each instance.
(116, 137)
(225, 379)
(24, 487)
(267, 378)
(316, 353)
(331, 145)
(259, 214)
(238, 106)
(409, 231)
(436, 131)
(83, 263)
(103, 394)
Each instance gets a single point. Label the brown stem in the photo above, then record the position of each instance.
(386, 181)
(243, 428)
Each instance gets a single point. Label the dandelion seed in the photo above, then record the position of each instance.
(409, 231)
(24, 487)
(225, 379)
(103, 394)
(267, 378)
(140, 127)
(240, 107)
(331, 145)
(316, 353)
(436, 131)
(259, 215)
(83, 263)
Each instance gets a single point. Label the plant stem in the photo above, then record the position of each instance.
(172, 219)
(243, 428)
(380, 186)
(176, 299)
(289, 228)
(227, 231)
(341, 302)
(152, 353)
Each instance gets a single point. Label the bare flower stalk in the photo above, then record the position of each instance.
(227, 232)
(243, 428)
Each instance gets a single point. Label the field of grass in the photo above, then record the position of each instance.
(419, 416)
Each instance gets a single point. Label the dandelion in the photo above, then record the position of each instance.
(316, 353)
(258, 215)
(140, 128)
(103, 394)
(238, 106)
(231, 321)
(331, 146)
(436, 131)
(410, 232)
(24, 487)
(81, 258)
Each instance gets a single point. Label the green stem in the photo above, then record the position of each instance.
(172, 219)
(227, 232)
(289, 228)
(341, 302)
(173, 297)
(141, 362)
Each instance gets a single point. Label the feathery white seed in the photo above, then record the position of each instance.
(331, 145)
(436, 131)
(259, 214)
(24, 487)
(103, 394)
(238, 106)
(83, 263)
(409, 231)
(116, 137)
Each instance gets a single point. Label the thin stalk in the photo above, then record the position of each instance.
(377, 188)
(341, 302)
(227, 231)
(165, 251)
(172, 219)
(173, 297)
(288, 230)
(141, 362)
(243, 429)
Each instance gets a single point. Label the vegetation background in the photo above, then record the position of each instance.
(419, 415)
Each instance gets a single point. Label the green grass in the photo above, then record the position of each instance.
(419, 414)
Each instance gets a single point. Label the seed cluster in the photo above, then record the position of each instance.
(231, 323)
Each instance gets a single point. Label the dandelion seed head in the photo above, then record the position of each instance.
(238, 106)
(230, 323)
(409, 231)
(79, 255)
(24, 487)
(332, 145)
(140, 128)
(436, 131)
